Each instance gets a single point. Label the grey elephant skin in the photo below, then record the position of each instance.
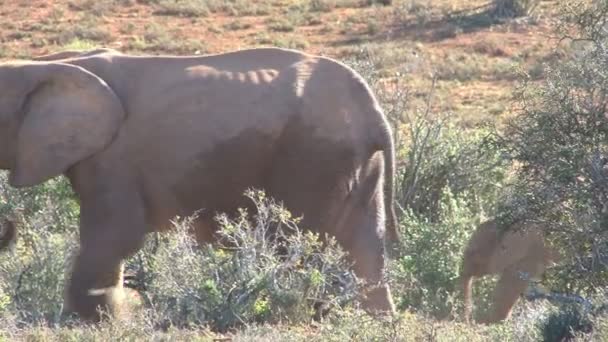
(145, 138)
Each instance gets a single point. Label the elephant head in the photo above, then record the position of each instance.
(516, 256)
(52, 116)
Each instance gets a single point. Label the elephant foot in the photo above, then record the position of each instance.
(99, 304)
(378, 300)
(95, 304)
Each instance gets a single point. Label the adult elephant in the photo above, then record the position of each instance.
(143, 139)
(517, 256)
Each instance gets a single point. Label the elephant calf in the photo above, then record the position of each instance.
(517, 256)
(143, 139)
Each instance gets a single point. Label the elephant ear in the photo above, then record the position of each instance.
(68, 115)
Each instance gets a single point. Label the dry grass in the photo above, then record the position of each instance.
(414, 39)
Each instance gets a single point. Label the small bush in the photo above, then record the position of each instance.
(32, 274)
(426, 277)
(196, 8)
(157, 38)
(99, 7)
(51, 206)
(514, 8)
(265, 270)
(440, 156)
(190, 8)
(321, 5)
(565, 323)
(419, 11)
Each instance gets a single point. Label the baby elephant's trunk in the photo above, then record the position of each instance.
(8, 233)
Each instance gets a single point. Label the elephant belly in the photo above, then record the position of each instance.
(214, 181)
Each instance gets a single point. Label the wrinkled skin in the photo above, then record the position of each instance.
(143, 139)
(517, 256)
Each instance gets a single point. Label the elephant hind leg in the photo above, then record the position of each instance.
(338, 194)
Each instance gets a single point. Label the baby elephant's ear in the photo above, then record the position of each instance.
(69, 115)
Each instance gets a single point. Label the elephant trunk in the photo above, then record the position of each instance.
(8, 233)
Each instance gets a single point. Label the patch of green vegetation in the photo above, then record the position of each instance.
(235, 25)
(514, 8)
(87, 28)
(128, 28)
(262, 38)
(281, 25)
(182, 8)
(80, 44)
(291, 43)
(463, 67)
(99, 7)
(157, 39)
(321, 5)
(196, 8)
(3, 52)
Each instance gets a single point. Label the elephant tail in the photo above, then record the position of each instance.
(467, 290)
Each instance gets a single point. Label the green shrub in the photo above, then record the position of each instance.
(450, 182)
(263, 270)
(559, 140)
(514, 8)
(196, 8)
(565, 323)
(426, 277)
(52, 204)
(32, 274)
(438, 156)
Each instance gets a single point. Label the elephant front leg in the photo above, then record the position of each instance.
(110, 231)
(95, 287)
